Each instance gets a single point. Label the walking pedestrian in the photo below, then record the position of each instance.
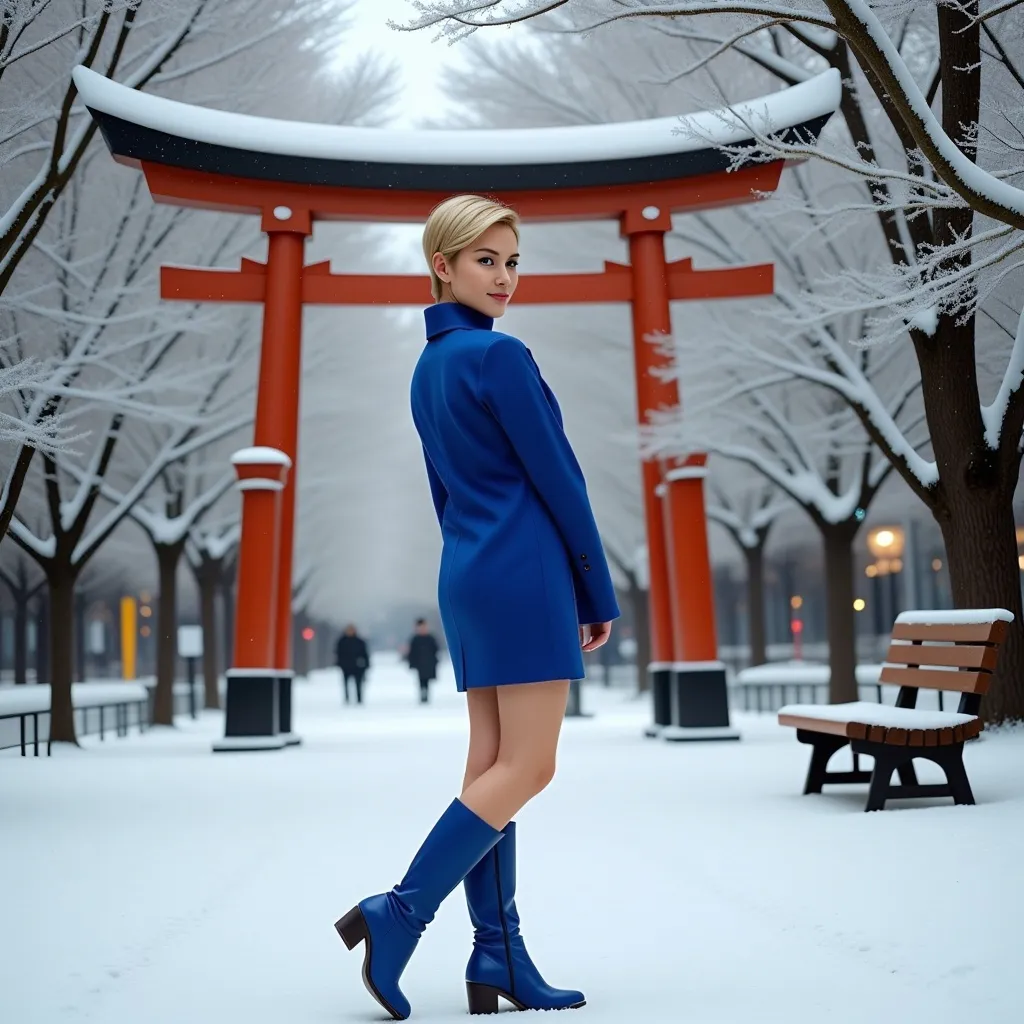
(353, 658)
(524, 586)
(423, 650)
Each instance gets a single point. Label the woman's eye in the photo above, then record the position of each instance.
(486, 260)
(514, 264)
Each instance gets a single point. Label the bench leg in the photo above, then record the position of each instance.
(952, 763)
(880, 779)
(907, 774)
(823, 747)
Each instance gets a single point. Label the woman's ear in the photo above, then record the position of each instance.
(440, 265)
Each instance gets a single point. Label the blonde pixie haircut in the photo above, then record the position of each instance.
(454, 223)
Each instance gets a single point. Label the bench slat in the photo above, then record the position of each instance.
(896, 737)
(964, 656)
(979, 632)
(937, 679)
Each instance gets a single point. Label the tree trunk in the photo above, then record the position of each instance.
(755, 604)
(20, 639)
(44, 634)
(642, 634)
(981, 551)
(167, 556)
(208, 577)
(300, 661)
(80, 638)
(227, 597)
(61, 580)
(841, 628)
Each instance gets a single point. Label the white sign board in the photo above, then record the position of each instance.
(190, 641)
(97, 637)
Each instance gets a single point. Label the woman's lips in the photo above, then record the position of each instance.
(500, 296)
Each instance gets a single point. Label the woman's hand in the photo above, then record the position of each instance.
(599, 633)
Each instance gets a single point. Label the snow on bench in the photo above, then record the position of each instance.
(808, 673)
(35, 699)
(882, 715)
(954, 617)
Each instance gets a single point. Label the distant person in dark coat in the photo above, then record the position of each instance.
(422, 657)
(353, 658)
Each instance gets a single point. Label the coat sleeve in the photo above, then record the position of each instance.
(511, 387)
(438, 492)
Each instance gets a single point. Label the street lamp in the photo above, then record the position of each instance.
(886, 543)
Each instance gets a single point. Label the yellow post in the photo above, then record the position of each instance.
(129, 638)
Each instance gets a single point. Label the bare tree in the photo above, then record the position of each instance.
(748, 513)
(46, 134)
(209, 549)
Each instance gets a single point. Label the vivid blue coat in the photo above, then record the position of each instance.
(522, 565)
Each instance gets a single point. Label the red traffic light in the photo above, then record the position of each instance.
(796, 626)
(308, 633)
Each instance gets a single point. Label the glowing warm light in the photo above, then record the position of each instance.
(308, 633)
(859, 605)
(936, 564)
(871, 571)
(1020, 561)
(145, 631)
(886, 541)
(145, 611)
(896, 565)
(796, 626)
(796, 602)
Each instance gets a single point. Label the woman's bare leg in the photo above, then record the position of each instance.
(484, 732)
(530, 719)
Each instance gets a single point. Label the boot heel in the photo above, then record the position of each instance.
(482, 998)
(352, 928)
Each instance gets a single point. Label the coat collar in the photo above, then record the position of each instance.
(451, 316)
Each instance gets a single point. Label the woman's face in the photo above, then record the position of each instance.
(484, 275)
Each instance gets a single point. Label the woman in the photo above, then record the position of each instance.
(523, 586)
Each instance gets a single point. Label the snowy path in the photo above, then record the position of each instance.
(147, 881)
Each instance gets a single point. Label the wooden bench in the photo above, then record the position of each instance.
(953, 651)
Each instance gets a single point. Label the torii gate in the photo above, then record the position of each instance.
(292, 174)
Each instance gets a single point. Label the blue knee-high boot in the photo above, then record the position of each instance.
(392, 923)
(499, 964)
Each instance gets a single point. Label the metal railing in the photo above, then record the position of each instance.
(96, 717)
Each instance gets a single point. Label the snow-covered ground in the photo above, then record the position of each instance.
(149, 881)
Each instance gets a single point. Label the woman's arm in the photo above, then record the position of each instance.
(438, 492)
(511, 387)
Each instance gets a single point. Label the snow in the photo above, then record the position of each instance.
(955, 617)
(18, 700)
(926, 320)
(158, 882)
(801, 672)
(260, 455)
(1013, 377)
(878, 714)
(814, 98)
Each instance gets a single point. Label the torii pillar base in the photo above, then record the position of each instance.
(284, 708)
(252, 717)
(699, 703)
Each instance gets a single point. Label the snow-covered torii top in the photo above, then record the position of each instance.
(139, 127)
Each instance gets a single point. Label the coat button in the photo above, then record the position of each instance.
(584, 557)
(586, 568)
